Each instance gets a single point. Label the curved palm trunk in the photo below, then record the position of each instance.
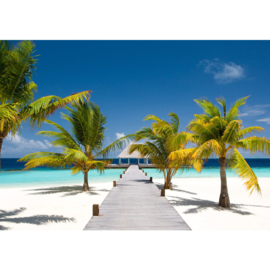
(85, 184)
(224, 199)
(1, 142)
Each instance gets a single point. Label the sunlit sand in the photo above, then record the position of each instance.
(65, 207)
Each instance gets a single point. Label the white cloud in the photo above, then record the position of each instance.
(119, 135)
(266, 120)
(223, 72)
(18, 144)
(254, 110)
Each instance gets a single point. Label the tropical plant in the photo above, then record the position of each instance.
(17, 65)
(159, 141)
(80, 147)
(222, 137)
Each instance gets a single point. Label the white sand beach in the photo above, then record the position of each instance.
(63, 207)
(67, 208)
(196, 200)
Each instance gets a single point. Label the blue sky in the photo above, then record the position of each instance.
(131, 79)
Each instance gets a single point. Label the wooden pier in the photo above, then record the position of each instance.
(125, 166)
(136, 204)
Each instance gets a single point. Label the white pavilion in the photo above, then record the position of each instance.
(135, 158)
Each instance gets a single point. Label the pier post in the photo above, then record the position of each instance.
(114, 183)
(162, 192)
(95, 209)
(151, 179)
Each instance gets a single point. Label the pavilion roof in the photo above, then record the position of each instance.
(125, 154)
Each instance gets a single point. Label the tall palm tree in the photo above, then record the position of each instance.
(17, 65)
(222, 136)
(162, 139)
(80, 147)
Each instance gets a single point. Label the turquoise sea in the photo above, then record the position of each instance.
(47, 176)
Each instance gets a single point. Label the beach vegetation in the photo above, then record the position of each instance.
(81, 146)
(17, 105)
(220, 133)
(157, 143)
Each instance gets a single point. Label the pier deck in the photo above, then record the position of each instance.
(135, 204)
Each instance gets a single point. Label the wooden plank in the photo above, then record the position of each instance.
(135, 204)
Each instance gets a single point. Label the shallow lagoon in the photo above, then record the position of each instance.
(54, 177)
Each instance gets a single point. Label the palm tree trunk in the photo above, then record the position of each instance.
(1, 142)
(165, 179)
(85, 184)
(168, 180)
(224, 200)
(3, 135)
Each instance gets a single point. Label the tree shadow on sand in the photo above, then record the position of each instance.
(36, 219)
(3, 228)
(200, 205)
(14, 212)
(161, 186)
(66, 190)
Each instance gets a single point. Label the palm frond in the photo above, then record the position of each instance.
(239, 165)
(98, 164)
(145, 133)
(44, 159)
(219, 124)
(222, 102)
(116, 145)
(205, 118)
(75, 155)
(182, 154)
(8, 116)
(40, 109)
(256, 144)
(197, 164)
(63, 138)
(76, 169)
(179, 140)
(144, 149)
(208, 107)
(207, 131)
(245, 131)
(231, 132)
(96, 137)
(207, 149)
(15, 83)
(233, 113)
(174, 121)
(151, 117)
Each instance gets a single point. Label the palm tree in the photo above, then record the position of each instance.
(17, 65)
(80, 147)
(222, 136)
(161, 140)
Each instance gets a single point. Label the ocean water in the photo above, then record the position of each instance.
(12, 176)
(55, 177)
